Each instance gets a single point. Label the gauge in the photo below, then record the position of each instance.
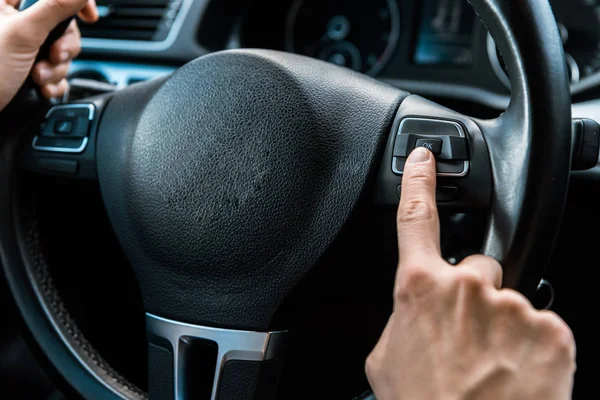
(579, 26)
(354, 34)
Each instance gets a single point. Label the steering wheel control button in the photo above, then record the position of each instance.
(446, 194)
(57, 165)
(433, 145)
(65, 129)
(59, 145)
(586, 144)
(447, 140)
(443, 194)
(68, 120)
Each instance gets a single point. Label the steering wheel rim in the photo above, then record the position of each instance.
(520, 231)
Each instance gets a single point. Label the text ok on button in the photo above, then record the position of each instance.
(433, 145)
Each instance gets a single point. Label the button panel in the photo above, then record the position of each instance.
(446, 140)
(57, 165)
(65, 129)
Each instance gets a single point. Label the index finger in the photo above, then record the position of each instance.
(418, 221)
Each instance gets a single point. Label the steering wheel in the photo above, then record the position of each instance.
(227, 181)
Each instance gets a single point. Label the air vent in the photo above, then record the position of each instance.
(147, 20)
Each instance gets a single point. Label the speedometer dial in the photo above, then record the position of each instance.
(354, 34)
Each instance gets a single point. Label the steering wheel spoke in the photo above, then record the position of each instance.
(190, 361)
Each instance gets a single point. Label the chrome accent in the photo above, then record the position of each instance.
(545, 283)
(461, 133)
(574, 67)
(137, 45)
(495, 61)
(90, 107)
(232, 345)
(79, 149)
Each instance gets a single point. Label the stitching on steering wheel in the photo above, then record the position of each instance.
(86, 352)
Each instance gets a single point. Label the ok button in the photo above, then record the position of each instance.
(433, 145)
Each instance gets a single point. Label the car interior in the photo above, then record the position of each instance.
(210, 211)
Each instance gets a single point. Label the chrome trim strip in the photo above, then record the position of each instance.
(545, 283)
(137, 45)
(461, 133)
(90, 108)
(574, 67)
(232, 345)
(79, 149)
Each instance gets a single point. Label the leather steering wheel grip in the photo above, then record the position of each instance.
(530, 144)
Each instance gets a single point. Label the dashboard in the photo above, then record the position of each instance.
(436, 48)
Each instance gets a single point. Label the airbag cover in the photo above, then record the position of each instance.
(242, 170)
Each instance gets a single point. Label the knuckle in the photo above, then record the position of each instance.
(47, 91)
(55, 4)
(511, 302)
(469, 278)
(481, 263)
(481, 259)
(558, 333)
(63, 71)
(415, 281)
(416, 210)
(37, 75)
(373, 363)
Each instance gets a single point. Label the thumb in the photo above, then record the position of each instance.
(43, 16)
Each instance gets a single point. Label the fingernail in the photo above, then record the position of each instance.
(45, 74)
(64, 56)
(419, 155)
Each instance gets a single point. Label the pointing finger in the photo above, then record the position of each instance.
(418, 221)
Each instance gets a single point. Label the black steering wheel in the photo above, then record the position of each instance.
(227, 181)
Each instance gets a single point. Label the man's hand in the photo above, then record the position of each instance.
(454, 334)
(23, 33)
